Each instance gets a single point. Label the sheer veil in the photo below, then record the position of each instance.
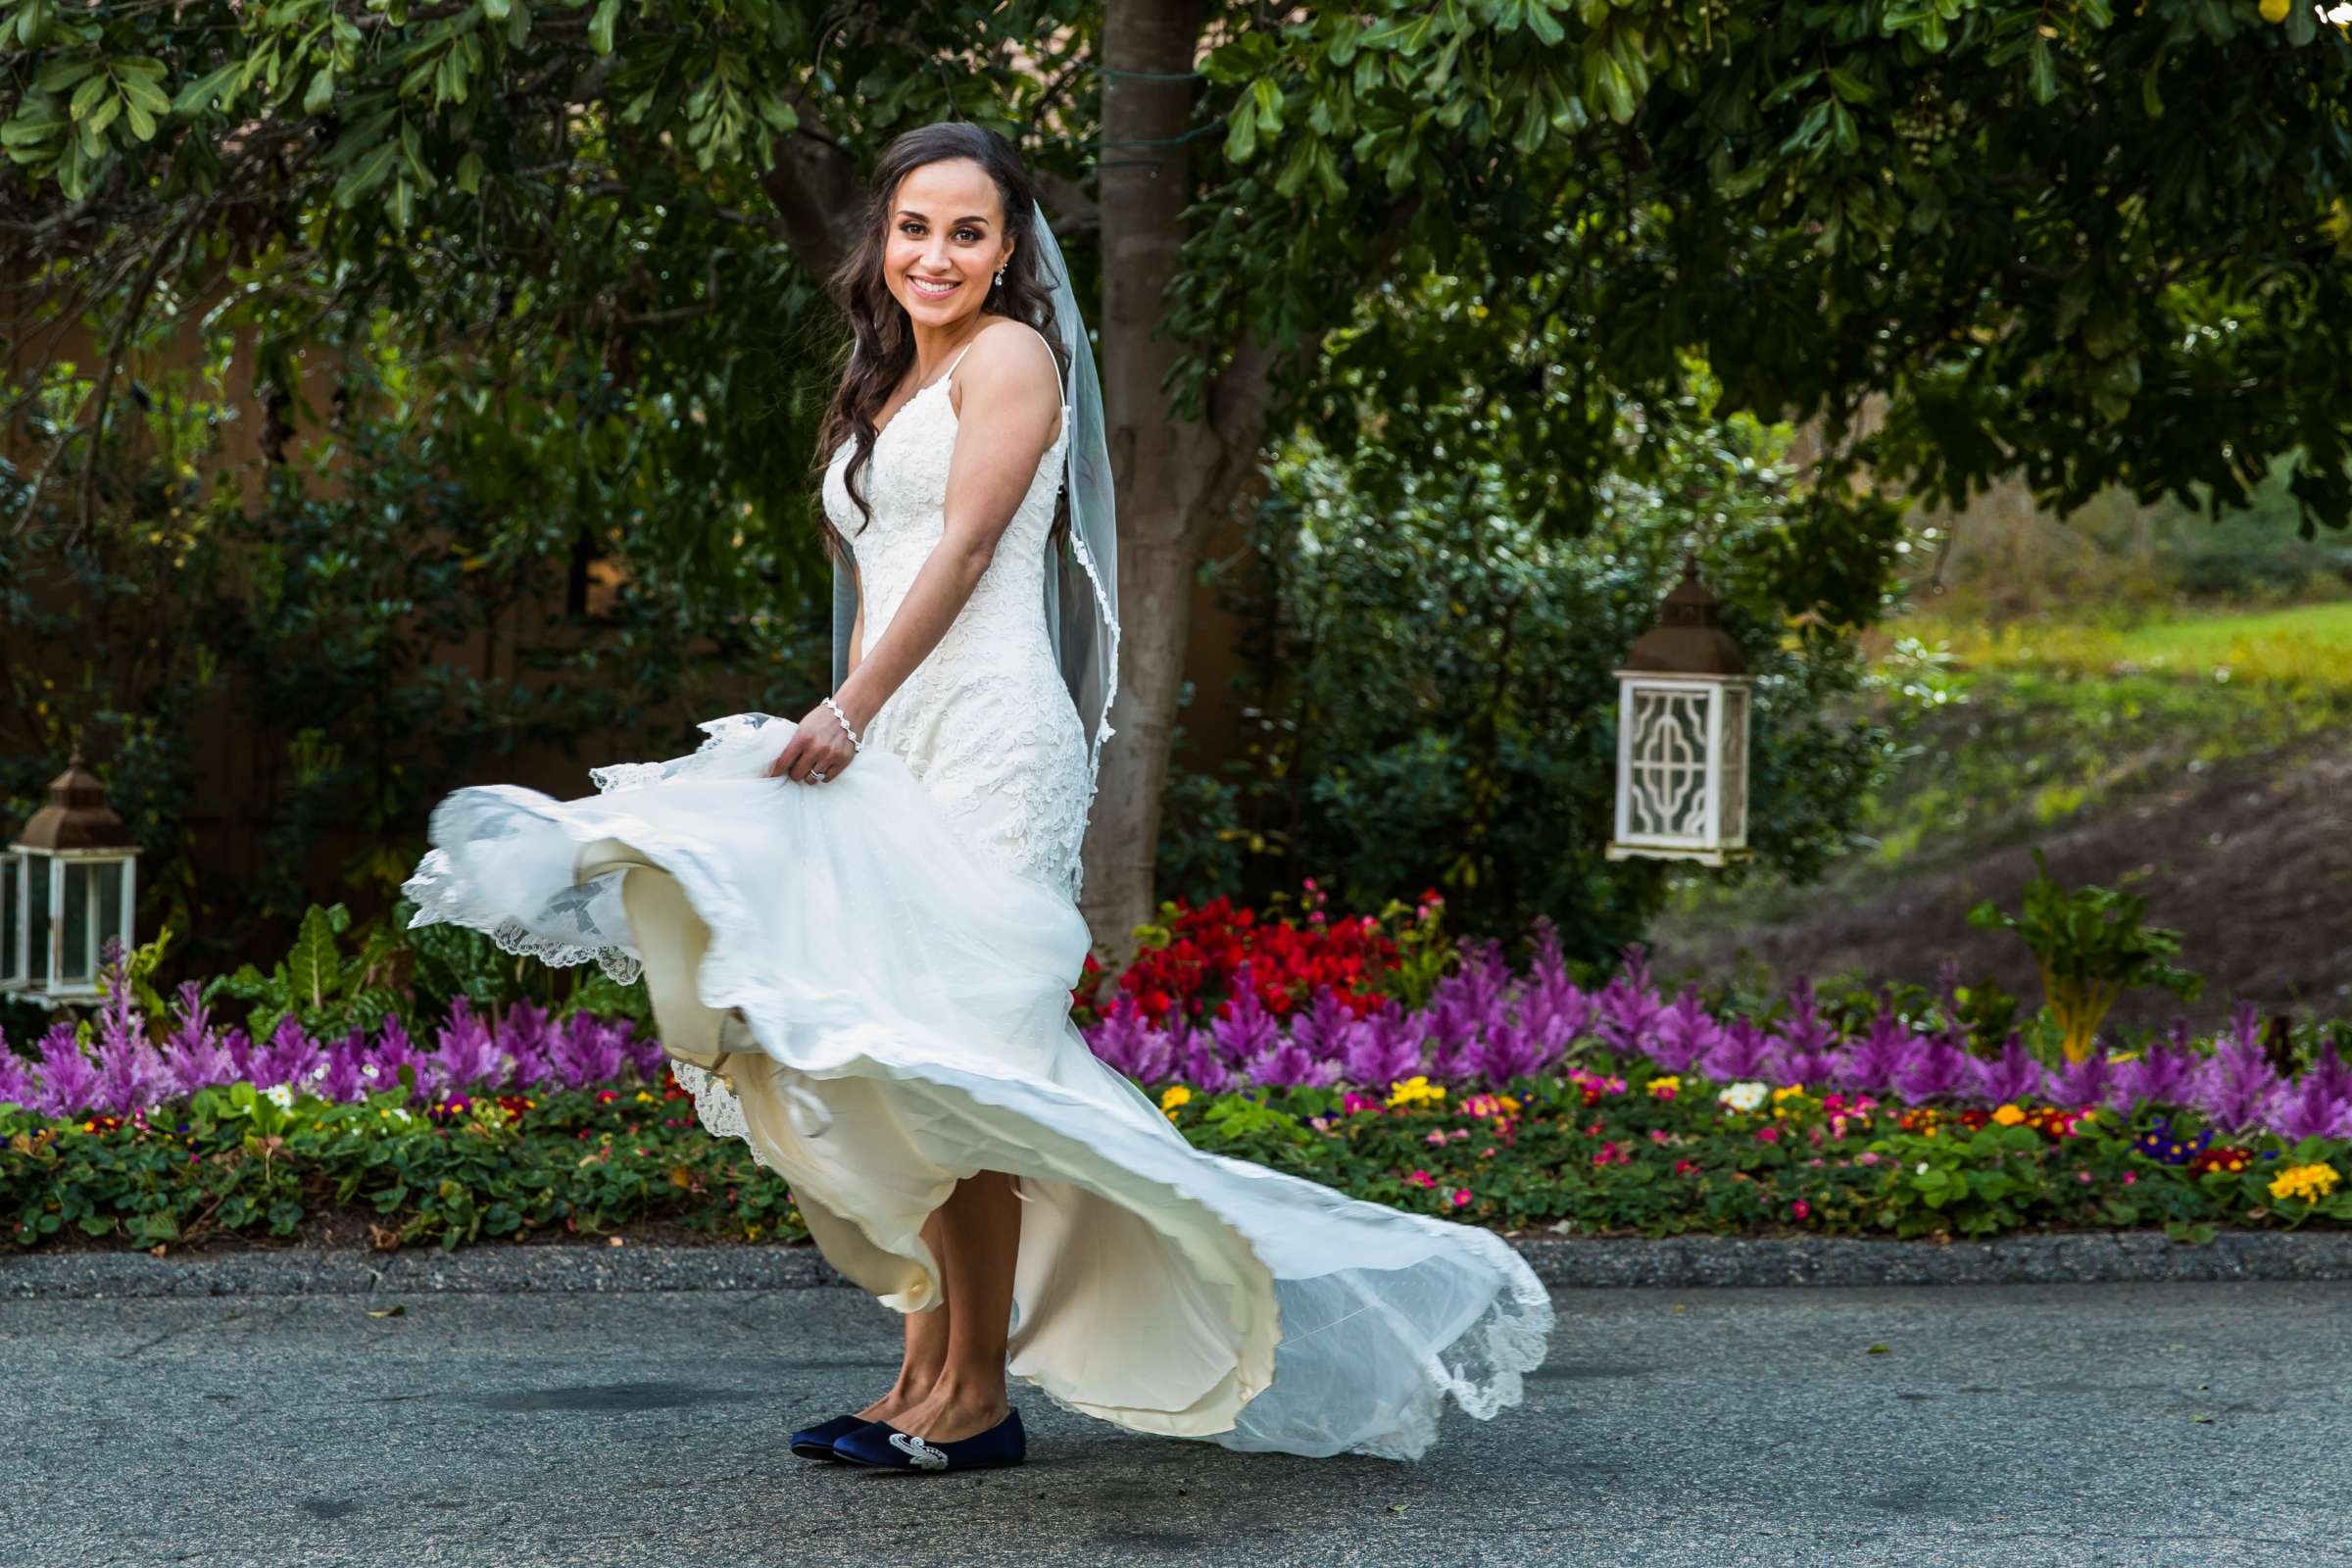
(1082, 581)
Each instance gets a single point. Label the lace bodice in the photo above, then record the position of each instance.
(986, 721)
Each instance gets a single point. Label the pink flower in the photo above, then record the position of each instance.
(1657, 1135)
(1436, 1137)
(1685, 1167)
(1422, 1178)
(1867, 1158)
(1461, 1197)
(1611, 1154)
(1816, 1162)
(1800, 1208)
(2082, 1176)
(1768, 1135)
(1593, 1131)
(2129, 1177)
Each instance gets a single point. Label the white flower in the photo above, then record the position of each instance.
(368, 1071)
(280, 1095)
(1922, 1167)
(1744, 1097)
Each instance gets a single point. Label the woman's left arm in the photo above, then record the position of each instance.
(1007, 398)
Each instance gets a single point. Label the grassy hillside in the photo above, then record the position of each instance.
(2203, 757)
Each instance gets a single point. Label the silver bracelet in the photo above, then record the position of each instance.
(855, 744)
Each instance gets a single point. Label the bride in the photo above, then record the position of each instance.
(861, 965)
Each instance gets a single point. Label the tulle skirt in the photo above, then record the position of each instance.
(886, 1012)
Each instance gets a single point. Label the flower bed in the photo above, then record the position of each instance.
(1613, 1148)
(1387, 1062)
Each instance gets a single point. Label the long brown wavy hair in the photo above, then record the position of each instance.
(882, 339)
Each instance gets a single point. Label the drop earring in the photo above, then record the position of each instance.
(999, 277)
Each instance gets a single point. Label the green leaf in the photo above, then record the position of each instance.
(600, 25)
(62, 71)
(199, 94)
(87, 97)
(320, 92)
(469, 172)
(1241, 134)
(2041, 69)
(1269, 105)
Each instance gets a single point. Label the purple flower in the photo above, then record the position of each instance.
(69, 1082)
(2159, 1076)
(1385, 1047)
(1196, 1055)
(1681, 1036)
(526, 1039)
(1630, 1005)
(1936, 1069)
(1287, 1065)
(1321, 1031)
(239, 1047)
(291, 1057)
(1510, 1052)
(644, 1052)
(2014, 1075)
(468, 1056)
(1118, 1039)
(18, 1086)
(2085, 1083)
(1872, 1062)
(585, 1051)
(393, 1052)
(1744, 1051)
(2310, 1109)
(196, 1059)
(131, 1075)
(1246, 1030)
(2236, 1085)
(1553, 1004)
(345, 1080)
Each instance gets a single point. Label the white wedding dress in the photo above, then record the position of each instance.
(879, 968)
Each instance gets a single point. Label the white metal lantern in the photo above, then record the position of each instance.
(1682, 736)
(70, 881)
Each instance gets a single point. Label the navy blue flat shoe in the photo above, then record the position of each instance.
(879, 1446)
(816, 1441)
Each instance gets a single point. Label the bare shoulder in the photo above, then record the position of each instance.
(1008, 361)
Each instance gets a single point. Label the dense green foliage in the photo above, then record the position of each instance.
(550, 254)
(347, 627)
(1432, 686)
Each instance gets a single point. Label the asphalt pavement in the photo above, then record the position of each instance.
(2128, 1424)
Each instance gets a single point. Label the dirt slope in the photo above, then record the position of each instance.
(2253, 865)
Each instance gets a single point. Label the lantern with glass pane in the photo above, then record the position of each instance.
(67, 883)
(1682, 736)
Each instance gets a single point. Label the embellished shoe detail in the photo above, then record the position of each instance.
(923, 1455)
(879, 1446)
(816, 1441)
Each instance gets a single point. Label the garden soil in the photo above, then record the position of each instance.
(2251, 864)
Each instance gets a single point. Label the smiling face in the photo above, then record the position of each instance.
(947, 240)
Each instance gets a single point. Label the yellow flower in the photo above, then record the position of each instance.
(1414, 1090)
(2008, 1115)
(1663, 1087)
(1796, 1091)
(1510, 1107)
(1173, 1096)
(2311, 1183)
